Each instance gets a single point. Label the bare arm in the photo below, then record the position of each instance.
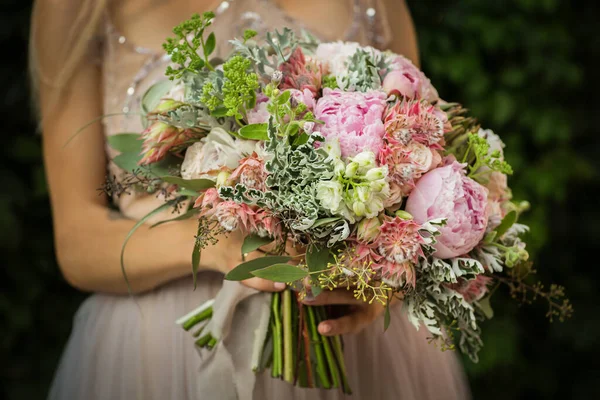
(404, 37)
(88, 242)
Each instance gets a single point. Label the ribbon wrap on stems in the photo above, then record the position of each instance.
(237, 312)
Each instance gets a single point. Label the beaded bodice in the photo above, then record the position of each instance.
(129, 70)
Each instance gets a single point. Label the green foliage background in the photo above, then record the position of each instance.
(524, 67)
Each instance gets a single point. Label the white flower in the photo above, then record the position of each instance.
(365, 160)
(218, 149)
(335, 55)
(332, 148)
(420, 156)
(496, 144)
(376, 174)
(329, 193)
(351, 169)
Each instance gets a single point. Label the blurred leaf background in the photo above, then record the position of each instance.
(524, 67)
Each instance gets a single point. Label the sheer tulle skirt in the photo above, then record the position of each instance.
(130, 348)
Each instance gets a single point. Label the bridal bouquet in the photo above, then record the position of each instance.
(349, 153)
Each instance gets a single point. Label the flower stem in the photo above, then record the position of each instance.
(277, 333)
(288, 352)
(318, 346)
(196, 319)
(329, 355)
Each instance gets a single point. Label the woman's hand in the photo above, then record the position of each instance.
(361, 314)
(231, 249)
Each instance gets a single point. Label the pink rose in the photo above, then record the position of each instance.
(354, 118)
(447, 193)
(406, 80)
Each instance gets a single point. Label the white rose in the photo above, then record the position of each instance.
(218, 149)
(420, 156)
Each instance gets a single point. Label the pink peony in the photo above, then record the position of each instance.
(415, 120)
(406, 80)
(447, 193)
(474, 289)
(399, 242)
(354, 118)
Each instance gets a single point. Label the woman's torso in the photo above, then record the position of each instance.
(129, 69)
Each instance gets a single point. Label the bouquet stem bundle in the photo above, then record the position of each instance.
(294, 349)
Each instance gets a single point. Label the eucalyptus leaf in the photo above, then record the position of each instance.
(508, 221)
(125, 142)
(253, 242)
(254, 132)
(281, 273)
(485, 307)
(187, 215)
(386, 317)
(190, 184)
(244, 270)
(209, 45)
(141, 222)
(129, 162)
(153, 95)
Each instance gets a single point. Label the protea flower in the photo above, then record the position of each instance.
(160, 138)
(406, 121)
(399, 242)
(298, 73)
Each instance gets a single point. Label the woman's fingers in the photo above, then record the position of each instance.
(264, 285)
(340, 296)
(351, 323)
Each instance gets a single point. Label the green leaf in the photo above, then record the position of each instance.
(126, 142)
(254, 132)
(253, 242)
(129, 163)
(244, 270)
(485, 307)
(281, 273)
(506, 223)
(196, 258)
(316, 260)
(283, 98)
(209, 45)
(219, 112)
(386, 317)
(154, 94)
(325, 221)
(301, 139)
(190, 184)
(187, 215)
(141, 222)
